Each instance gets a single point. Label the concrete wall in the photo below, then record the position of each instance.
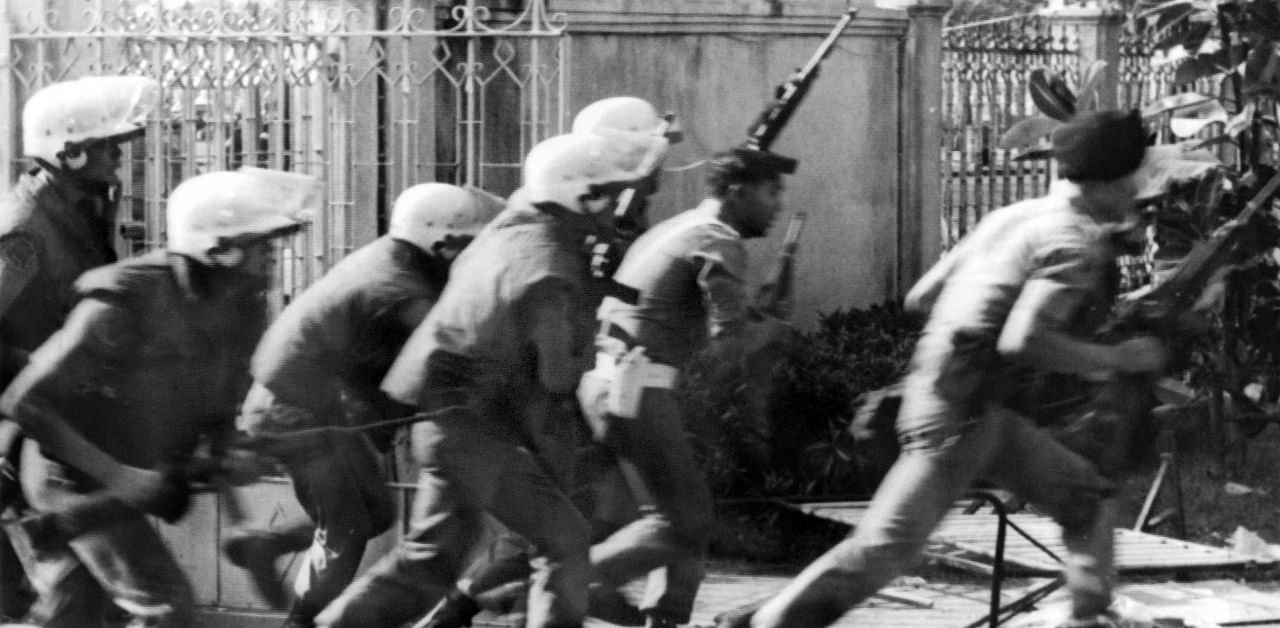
(717, 63)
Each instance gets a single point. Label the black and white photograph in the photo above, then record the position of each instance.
(654, 314)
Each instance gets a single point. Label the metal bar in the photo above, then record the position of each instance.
(276, 35)
(7, 121)
(470, 163)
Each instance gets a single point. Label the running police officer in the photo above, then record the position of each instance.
(634, 122)
(499, 357)
(153, 358)
(320, 365)
(57, 222)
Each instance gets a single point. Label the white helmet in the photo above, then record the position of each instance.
(633, 125)
(565, 168)
(219, 209)
(60, 119)
(427, 213)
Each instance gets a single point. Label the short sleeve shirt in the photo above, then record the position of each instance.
(690, 271)
(1051, 240)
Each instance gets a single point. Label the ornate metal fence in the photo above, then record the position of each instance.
(371, 96)
(986, 71)
(985, 74)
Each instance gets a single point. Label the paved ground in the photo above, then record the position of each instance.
(935, 605)
(1199, 604)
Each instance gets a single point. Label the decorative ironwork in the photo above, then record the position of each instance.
(986, 67)
(371, 98)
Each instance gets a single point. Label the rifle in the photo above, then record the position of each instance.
(787, 97)
(776, 293)
(47, 530)
(1116, 427)
(1162, 306)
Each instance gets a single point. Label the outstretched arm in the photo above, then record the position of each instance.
(94, 338)
(1035, 331)
(737, 330)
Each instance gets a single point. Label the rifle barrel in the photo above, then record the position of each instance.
(1262, 196)
(827, 44)
(762, 132)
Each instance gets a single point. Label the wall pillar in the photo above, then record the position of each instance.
(920, 132)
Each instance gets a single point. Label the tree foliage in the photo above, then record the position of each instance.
(1235, 45)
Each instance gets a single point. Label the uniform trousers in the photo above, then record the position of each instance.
(340, 485)
(946, 448)
(105, 577)
(473, 464)
(669, 539)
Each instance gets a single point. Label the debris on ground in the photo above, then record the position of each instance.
(1247, 542)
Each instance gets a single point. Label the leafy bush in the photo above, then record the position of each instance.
(781, 429)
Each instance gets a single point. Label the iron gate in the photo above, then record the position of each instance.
(986, 68)
(371, 96)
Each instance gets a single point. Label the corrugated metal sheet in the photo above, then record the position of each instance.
(975, 534)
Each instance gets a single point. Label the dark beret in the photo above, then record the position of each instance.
(1100, 146)
(762, 163)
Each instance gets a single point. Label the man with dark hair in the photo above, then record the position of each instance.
(690, 272)
(1015, 292)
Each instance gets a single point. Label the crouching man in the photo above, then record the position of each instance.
(1012, 292)
(320, 364)
(496, 361)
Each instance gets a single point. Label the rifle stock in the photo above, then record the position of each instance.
(775, 295)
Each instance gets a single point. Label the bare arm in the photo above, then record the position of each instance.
(1034, 332)
(925, 293)
(737, 330)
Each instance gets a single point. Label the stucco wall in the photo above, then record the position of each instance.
(716, 64)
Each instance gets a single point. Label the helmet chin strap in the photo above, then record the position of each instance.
(595, 205)
(73, 156)
(227, 256)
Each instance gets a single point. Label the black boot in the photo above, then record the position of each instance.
(301, 615)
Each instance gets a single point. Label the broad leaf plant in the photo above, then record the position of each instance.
(1213, 145)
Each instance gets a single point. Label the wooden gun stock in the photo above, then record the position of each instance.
(776, 294)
